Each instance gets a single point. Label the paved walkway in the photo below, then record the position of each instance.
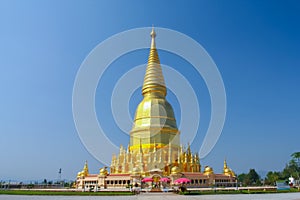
(159, 196)
(171, 196)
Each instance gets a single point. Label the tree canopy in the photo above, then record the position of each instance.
(250, 179)
(291, 169)
(296, 157)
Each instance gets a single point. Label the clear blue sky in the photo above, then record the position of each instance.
(255, 44)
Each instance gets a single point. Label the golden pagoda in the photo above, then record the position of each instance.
(154, 138)
(154, 149)
(227, 171)
(85, 171)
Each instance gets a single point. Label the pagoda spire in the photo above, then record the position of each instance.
(86, 168)
(225, 164)
(154, 83)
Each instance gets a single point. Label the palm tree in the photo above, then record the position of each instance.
(296, 157)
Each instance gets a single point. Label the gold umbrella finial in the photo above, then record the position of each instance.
(153, 35)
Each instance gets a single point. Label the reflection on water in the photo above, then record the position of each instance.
(288, 196)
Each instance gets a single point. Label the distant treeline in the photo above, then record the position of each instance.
(291, 169)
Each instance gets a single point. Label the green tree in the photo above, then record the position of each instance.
(296, 157)
(252, 178)
(291, 169)
(241, 178)
(68, 184)
(272, 177)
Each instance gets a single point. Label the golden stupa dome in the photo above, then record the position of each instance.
(80, 173)
(175, 170)
(208, 170)
(103, 171)
(155, 112)
(232, 173)
(227, 171)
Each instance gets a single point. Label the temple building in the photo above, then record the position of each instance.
(154, 149)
